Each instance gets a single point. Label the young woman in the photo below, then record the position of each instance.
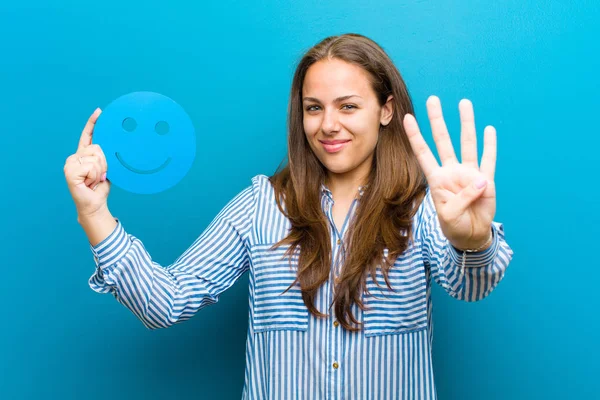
(340, 244)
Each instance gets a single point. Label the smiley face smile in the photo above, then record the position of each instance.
(142, 171)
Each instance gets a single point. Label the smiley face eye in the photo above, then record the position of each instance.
(129, 124)
(161, 127)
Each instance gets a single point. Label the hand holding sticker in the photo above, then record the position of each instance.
(148, 140)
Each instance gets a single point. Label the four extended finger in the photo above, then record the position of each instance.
(421, 149)
(488, 160)
(468, 134)
(440, 131)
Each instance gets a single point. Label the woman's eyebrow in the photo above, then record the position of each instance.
(339, 99)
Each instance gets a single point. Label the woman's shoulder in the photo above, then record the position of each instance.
(261, 188)
(260, 179)
(261, 184)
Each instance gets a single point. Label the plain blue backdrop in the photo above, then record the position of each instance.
(530, 67)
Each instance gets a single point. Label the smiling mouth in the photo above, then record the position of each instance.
(142, 171)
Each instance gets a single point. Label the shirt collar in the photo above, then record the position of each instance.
(325, 190)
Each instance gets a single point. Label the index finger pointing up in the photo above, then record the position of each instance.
(88, 130)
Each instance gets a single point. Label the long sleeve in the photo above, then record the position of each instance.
(163, 296)
(483, 270)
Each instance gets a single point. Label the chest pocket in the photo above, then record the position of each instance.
(403, 309)
(271, 274)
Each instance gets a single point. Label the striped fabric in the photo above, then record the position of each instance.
(290, 354)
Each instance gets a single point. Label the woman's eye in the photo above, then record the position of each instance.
(344, 107)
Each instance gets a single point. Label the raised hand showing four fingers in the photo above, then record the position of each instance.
(464, 193)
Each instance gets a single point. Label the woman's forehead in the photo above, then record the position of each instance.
(329, 79)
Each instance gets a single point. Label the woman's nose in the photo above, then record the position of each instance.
(330, 122)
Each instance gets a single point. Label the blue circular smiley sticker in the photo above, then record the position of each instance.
(148, 140)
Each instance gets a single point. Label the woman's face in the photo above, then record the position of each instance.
(340, 106)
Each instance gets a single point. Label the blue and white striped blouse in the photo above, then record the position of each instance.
(290, 354)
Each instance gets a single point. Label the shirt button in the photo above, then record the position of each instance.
(339, 242)
(336, 324)
(335, 365)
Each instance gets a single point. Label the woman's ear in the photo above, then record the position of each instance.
(387, 111)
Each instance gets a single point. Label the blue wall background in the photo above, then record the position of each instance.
(530, 68)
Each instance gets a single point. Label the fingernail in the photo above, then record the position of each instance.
(480, 183)
(103, 177)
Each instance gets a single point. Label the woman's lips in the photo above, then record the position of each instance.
(334, 148)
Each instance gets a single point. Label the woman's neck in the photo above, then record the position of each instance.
(344, 187)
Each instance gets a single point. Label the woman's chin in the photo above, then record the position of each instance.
(337, 168)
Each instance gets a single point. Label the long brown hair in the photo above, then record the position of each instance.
(395, 187)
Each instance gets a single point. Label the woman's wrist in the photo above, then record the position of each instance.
(478, 246)
(97, 226)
